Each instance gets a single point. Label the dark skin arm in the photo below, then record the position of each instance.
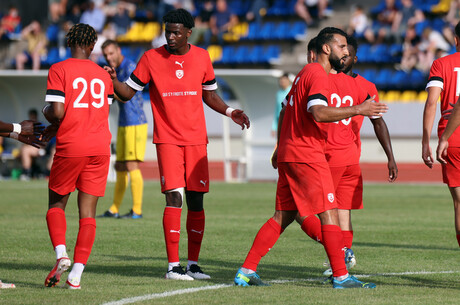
(274, 159)
(122, 90)
(381, 131)
(213, 100)
(28, 127)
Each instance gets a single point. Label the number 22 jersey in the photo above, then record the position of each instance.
(86, 91)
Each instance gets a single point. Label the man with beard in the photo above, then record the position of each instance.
(305, 185)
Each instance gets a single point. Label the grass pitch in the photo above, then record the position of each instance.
(404, 242)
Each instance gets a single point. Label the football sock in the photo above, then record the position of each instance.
(458, 239)
(60, 250)
(172, 265)
(247, 271)
(312, 226)
(85, 240)
(263, 242)
(191, 263)
(57, 226)
(195, 231)
(76, 272)
(137, 188)
(347, 238)
(333, 244)
(120, 187)
(171, 229)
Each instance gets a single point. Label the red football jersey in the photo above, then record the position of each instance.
(341, 148)
(302, 139)
(445, 74)
(86, 91)
(175, 86)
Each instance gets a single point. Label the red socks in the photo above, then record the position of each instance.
(57, 226)
(348, 238)
(312, 226)
(333, 244)
(85, 240)
(195, 231)
(171, 229)
(263, 242)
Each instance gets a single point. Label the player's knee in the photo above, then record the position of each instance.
(194, 201)
(174, 197)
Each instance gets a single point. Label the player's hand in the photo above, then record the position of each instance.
(446, 113)
(372, 109)
(32, 140)
(240, 118)
(111, 71)
(427, 155)
(274, 158)
(49, 132)
(441, 151)
(392, 171)
(29, 127)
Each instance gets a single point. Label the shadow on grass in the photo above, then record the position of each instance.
(396, 246)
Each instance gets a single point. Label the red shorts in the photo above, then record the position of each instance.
(451, 170)
(183, 166)
(87, 174)
(307, 188)
(348, 183)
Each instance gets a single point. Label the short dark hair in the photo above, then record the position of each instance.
(179, 16)
(352, 41)
(82, 35)
(457, 29)
(326, 35)
(109, 42)
(312, 44)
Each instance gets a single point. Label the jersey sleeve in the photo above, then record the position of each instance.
(209, 80)
(55, 86)
(141, 75)
(319, 89)
(435, 79)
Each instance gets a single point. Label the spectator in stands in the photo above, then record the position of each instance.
(121, 20)
(94, 17)
(382, 27)
(451, 19)
(359, 22)
(74, 14)
(306, 8)
(257, 10)
(410, 50)
(10, 23)
(408, 16)
(220, 23)
(432, 46)
(202, 22)
(36, 46)
(284, 87)
(165, 6)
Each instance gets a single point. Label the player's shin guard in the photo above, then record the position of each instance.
(137, 188)
(264, 241)
(171, 228)
(312, 227)
(120, 188)
(85, 240)
(347, 238)
(195, 231)
(57, 226)
(333, 244)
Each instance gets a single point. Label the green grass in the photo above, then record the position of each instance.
(403, 229)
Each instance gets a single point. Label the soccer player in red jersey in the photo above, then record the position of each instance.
(79, 94)
(444, 82)
(180, 78)
(305, 185)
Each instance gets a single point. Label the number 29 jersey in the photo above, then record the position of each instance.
(86, 91)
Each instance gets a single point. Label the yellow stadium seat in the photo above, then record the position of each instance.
(422, 95)
(151, 31)
(391, 96)
(408, 96)
(215, 52)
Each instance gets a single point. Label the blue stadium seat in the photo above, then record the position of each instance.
(383, 79)
(271, 53)
(282, 30)
(298, 30)
(227, 55)
(364, 53)
(253, 32)
(369, 74)
(241, 55)
(52, 32)
(267, 31)
(255, 55)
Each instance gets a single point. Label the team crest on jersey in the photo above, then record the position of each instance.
(330, 197)
(179, 74)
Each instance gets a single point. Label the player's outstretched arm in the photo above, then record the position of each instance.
(213, 100)
(333, 114)
(26, 139)
(381, 131)
(428, 120)
(122, 90)
(274, 158)
(452, 125)
(27, 127)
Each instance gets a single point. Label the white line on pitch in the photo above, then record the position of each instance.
(214, 287)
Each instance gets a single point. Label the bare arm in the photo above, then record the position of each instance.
(452, 124)
(213, 100)
(381, 131)
(428, 120)
(28, 127)
(122, 90)
(274, 158)
(333, 114)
